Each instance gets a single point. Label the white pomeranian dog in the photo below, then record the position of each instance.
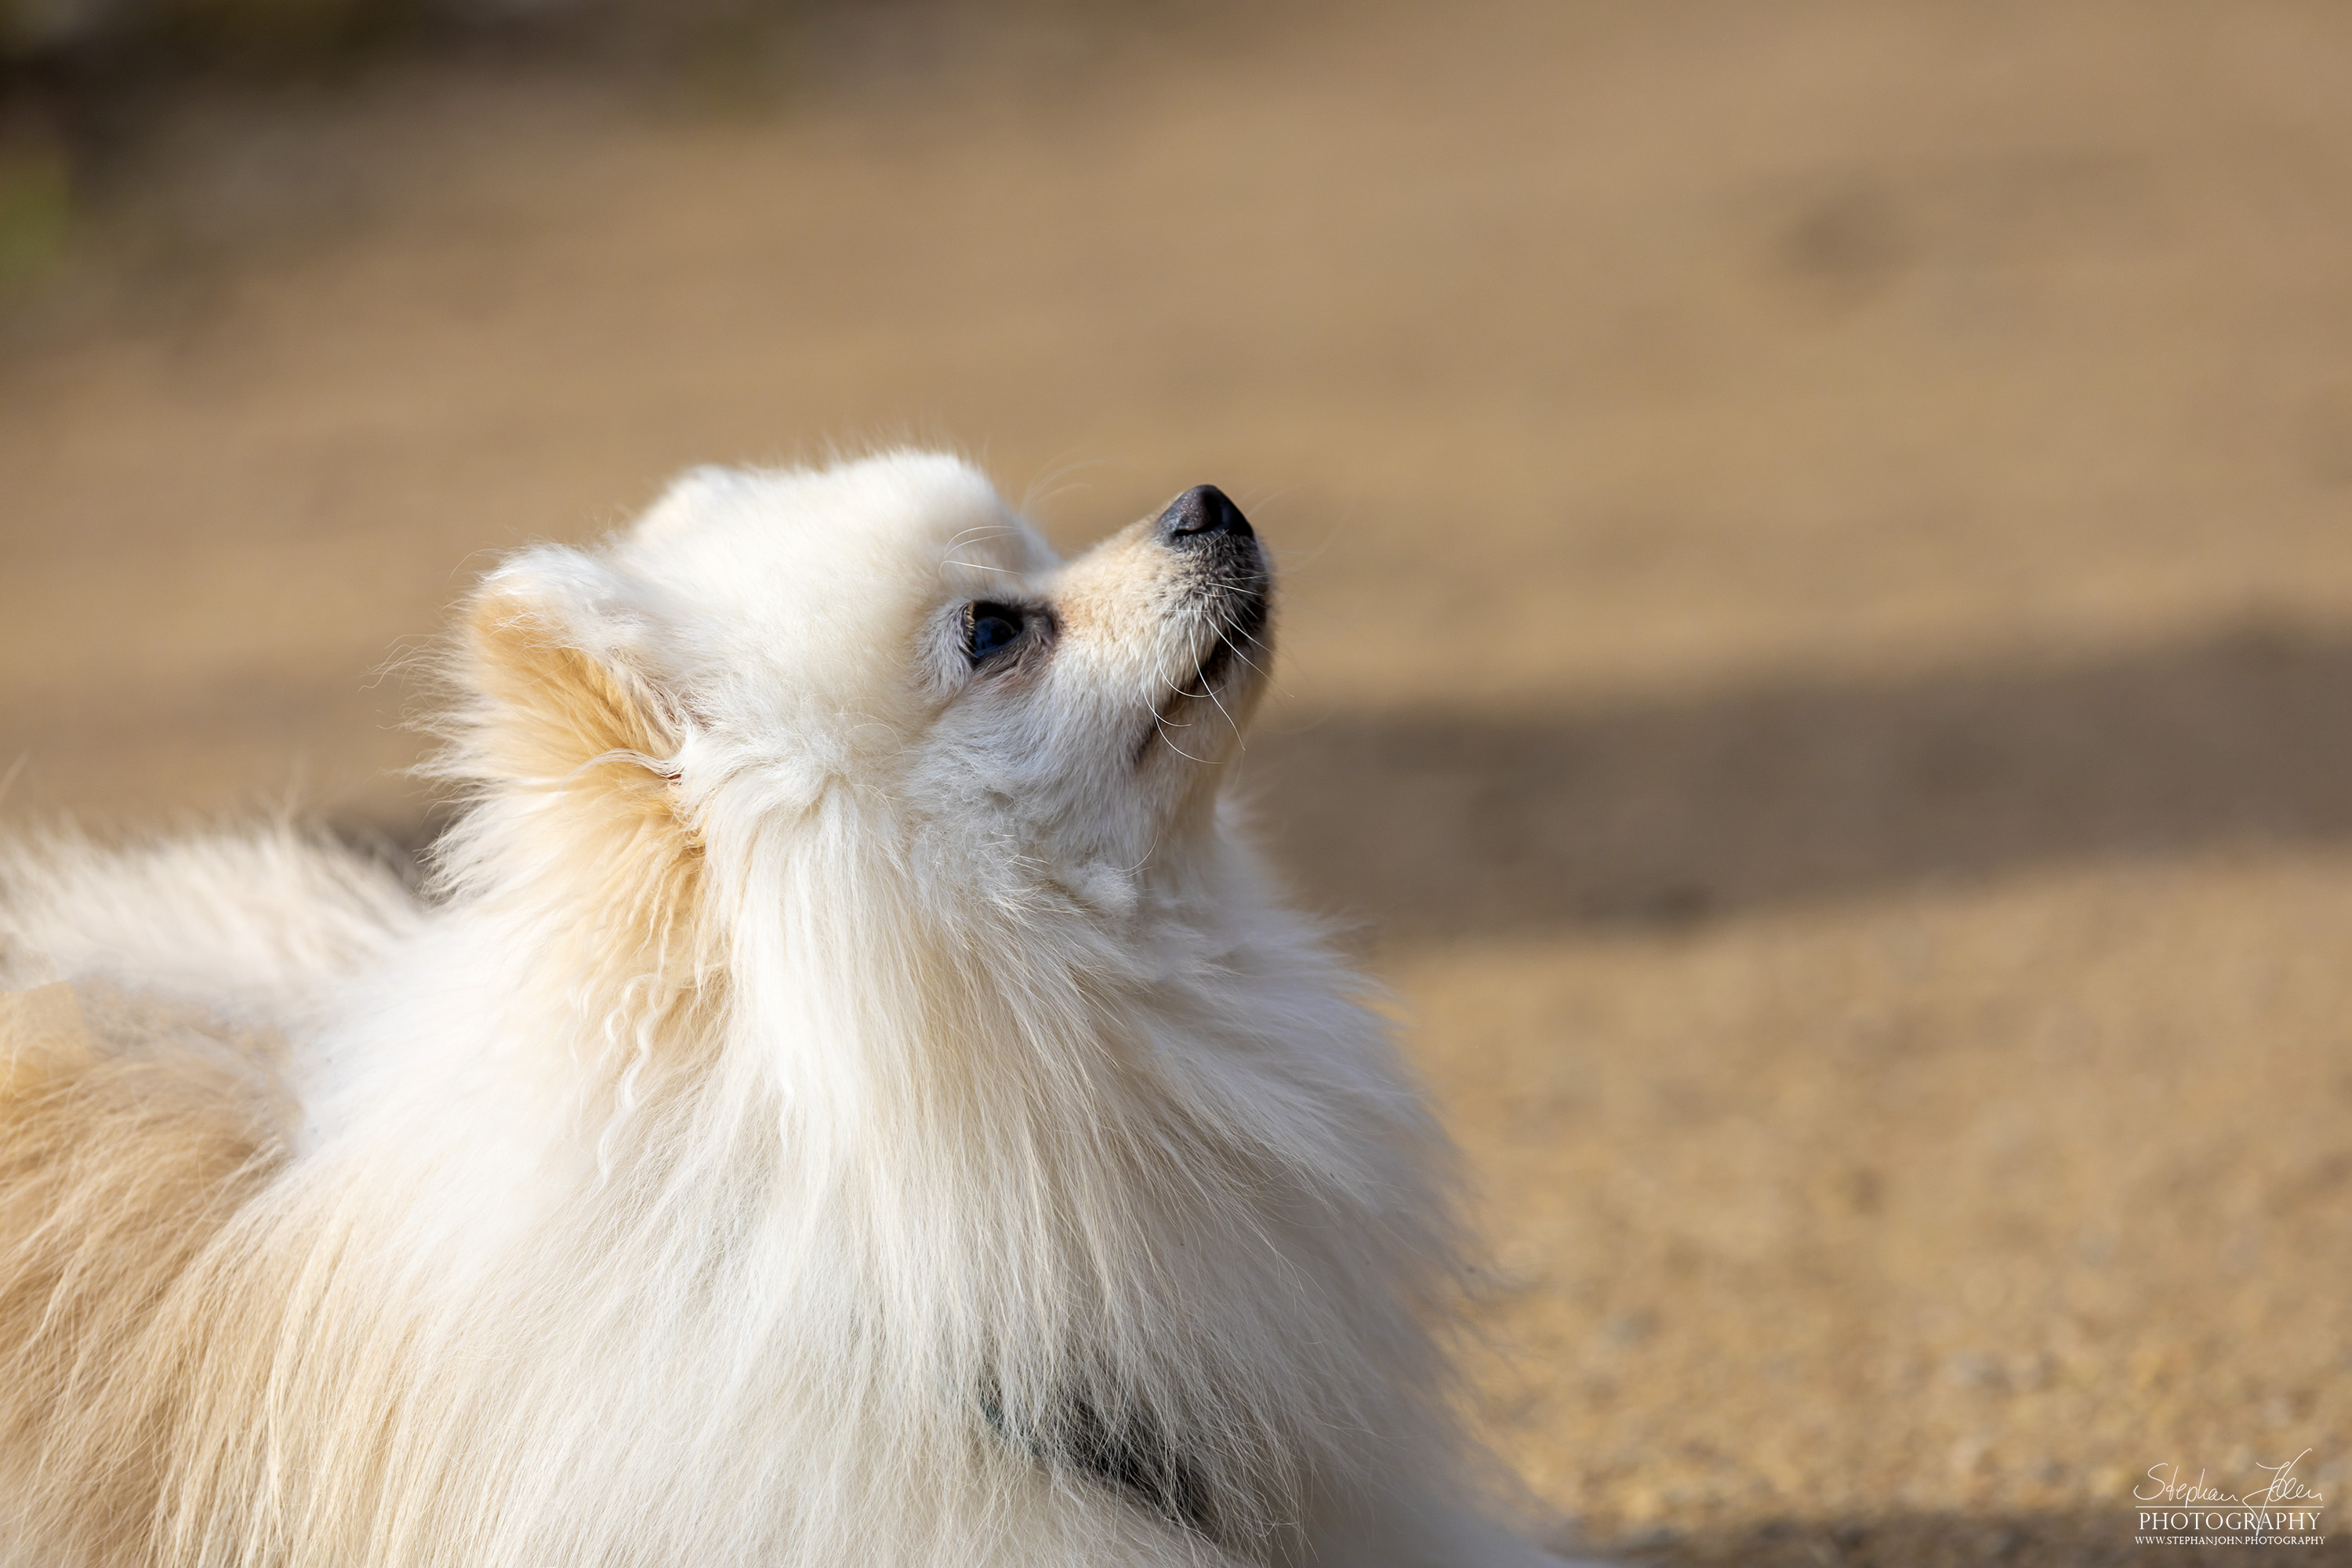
(851, 1097)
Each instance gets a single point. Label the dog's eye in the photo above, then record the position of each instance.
(990, 629)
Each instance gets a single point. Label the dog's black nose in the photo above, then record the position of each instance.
(1203, 512)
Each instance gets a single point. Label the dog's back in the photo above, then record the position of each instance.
(147, 999)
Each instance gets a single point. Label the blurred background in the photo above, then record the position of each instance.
(1818, 619)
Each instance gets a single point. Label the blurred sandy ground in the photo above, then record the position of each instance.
(1818, 625)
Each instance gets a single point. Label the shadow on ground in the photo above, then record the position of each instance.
(2078, 1538)
(1432, 824)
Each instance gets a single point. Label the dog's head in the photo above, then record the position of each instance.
(887, 638)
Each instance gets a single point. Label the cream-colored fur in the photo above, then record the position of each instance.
(844, 1102)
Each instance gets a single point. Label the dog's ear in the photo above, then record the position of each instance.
(567, 683)
(570, 738)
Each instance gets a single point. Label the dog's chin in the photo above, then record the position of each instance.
(1204, 710)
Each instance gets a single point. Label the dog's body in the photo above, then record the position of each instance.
(853, 1100)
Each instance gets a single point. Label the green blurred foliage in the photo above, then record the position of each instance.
(289, 30)
(35, 207)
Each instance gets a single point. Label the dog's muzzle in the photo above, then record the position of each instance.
(1227, 567)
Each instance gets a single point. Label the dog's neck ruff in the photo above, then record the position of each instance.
(1135, 1200)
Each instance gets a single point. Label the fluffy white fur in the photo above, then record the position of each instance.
(843, 1103)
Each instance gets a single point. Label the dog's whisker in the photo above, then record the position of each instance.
(8, 779)
(1238, 654)
(1253, 640)
(1163, 726)
(1049, 485)
(1209, 689)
